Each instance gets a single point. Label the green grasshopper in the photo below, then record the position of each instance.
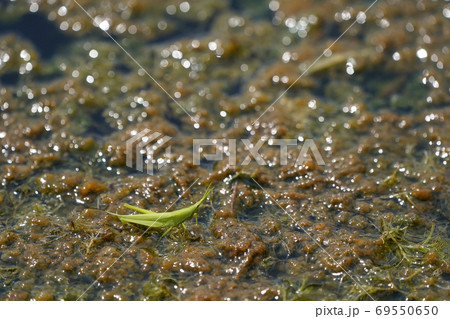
(165, 219)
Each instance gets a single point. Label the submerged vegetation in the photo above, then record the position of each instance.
(395, 240)
(161, 289)
(411, 264)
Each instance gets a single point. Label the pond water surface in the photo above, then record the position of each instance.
(365, 82)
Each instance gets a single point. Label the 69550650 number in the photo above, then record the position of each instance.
(406, 310)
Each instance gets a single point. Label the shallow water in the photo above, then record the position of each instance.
(370, 223)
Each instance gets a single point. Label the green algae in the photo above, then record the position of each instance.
(395, 239)
(8, 274)
(296, 291)
(404, 274)
(161, 289)
(391, 180)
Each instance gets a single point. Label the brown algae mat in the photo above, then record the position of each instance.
(371, 223)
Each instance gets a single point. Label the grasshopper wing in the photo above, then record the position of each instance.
(140, 210)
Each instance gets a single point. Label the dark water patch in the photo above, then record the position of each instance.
(9, 78)
(172, 118)
(186, 29)
(252, 214)
(332, 30)
(399, 92)
(122, 68)
(99, 126)
(42, 33)
(234, 88)
(253, 8)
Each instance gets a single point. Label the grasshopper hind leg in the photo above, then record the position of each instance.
(166, 232)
